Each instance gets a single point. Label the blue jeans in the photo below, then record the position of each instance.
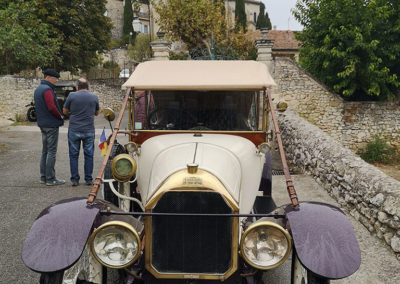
(74, 142)
(49, 151)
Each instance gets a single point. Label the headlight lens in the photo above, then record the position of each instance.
(131, 147)
(115, 244)
(264, 147)
(265, 245)
(123, 167)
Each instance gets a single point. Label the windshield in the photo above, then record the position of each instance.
(196, 110)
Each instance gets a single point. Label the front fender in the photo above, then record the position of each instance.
(324, 239)
(58, 235)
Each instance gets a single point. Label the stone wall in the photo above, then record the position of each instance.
(368, 194)
(352, 123)
(16, 93)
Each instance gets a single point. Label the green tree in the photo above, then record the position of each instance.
(128, 18)
(263, 20)
(351, 45)
(190, 21)
(81, 28)
(141, 48)
(24, 39)
(240, 15)
(202, 24)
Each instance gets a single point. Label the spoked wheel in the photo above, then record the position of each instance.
(52, 277)
(300, 274)
(31, 114)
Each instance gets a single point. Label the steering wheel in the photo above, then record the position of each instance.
(157, 119)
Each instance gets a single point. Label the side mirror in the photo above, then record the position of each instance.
(109, 114)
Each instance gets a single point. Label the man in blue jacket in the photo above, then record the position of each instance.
(49, 119)
(82, 106)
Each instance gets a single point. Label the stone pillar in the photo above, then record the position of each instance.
(160, 48)
(264, 49)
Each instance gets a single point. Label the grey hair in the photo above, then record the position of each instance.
(82, 83)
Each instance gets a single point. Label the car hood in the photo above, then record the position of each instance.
(232, 159)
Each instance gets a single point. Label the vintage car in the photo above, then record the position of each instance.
(188, 198)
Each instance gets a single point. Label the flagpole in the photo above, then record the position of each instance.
(97, 181)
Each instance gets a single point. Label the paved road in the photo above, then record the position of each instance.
(22, 198)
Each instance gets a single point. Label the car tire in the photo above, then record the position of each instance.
(301, 275)
(52, 277)
(31, 114)
(108, 194)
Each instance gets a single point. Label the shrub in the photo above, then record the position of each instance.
(178, 55)
(378, 151)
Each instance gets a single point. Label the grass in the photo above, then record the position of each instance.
(379, 151)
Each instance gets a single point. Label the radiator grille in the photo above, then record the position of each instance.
(191, 244)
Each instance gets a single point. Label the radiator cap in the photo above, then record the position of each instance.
(192, 168)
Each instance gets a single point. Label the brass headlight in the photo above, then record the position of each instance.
(265, 245)
(115, 244)
(123, 167)
(264, 148)
(131, 147)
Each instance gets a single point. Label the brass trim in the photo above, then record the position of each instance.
(192, 168)
(261, 145)
(199, 181)
(109, 114)
(116, 175)
(132, 144)
(115, 223)
(271, 224)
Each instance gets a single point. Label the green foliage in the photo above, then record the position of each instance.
(192, 22)
(199, 24)
(128, 18)
(110, 65)
(81, 29)
(115, 43)
(24, 38)
(240, 15)
(141, 49)
(352, 46)
(378, 151)
(263, 20)
(178, 56)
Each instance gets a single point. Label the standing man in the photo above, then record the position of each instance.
(49, 119)
(81, 106)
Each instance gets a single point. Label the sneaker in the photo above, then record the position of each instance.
(55, 182)
(42, 181)
(89, 183)
(75, 183)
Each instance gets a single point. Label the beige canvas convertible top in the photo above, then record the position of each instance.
(200, 75)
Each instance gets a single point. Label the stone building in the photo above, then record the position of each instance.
(285, 44)
(115, 10)
(145, 17)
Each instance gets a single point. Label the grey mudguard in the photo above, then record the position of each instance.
(58, 236)
(324, 239)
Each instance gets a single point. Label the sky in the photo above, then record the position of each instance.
(280, 15)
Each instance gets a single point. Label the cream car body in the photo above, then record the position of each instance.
(238, 167)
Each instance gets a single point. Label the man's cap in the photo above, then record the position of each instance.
(51, 73)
